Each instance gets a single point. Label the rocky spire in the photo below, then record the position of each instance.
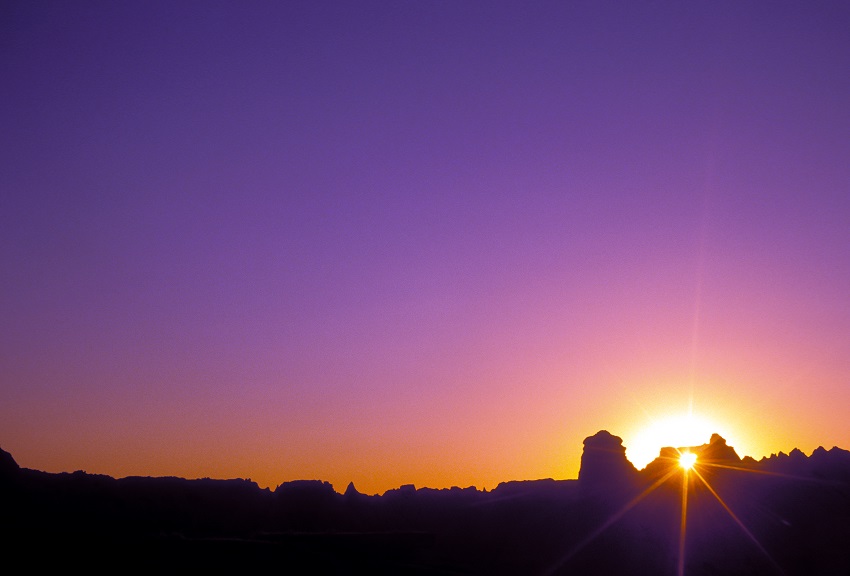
(351, 491)
(8, 466)
(604, 465)
(717, 450)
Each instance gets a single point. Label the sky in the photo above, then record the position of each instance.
(435, 243)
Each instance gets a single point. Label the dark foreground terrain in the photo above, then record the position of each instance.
(787, 514)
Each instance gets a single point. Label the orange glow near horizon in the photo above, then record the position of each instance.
(467, 453)
(387, 264)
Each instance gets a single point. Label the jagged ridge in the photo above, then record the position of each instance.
(795, 506)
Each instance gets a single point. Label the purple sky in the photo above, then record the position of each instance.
(430, 242)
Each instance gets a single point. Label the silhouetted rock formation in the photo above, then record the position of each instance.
(351, 491)
(717, 451)
(7, 463)
(604, 466)
(790, 517)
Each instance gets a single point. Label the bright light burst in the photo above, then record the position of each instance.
(686, 466)
(687, 460)
(673, 431)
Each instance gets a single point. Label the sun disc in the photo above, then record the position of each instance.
(687, 460)
(674, 431)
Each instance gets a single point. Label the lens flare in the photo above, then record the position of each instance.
(687, 460)
(674, 431)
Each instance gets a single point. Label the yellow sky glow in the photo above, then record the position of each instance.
(677, 431)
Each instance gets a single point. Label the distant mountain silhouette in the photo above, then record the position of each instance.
(787, 514)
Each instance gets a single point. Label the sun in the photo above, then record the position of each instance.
(676, 431)
(687, 460)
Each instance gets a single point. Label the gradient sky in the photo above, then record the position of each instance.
(433, 242)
